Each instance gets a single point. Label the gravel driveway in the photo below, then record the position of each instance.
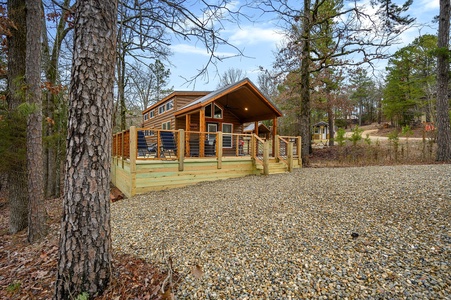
(293, 236)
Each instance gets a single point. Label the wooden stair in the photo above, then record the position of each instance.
(275, 167)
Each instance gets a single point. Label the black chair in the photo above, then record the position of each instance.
(143, 148)
(194, 147)
(210, 146)
(169, 147)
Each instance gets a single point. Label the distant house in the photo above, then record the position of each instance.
(320, 131)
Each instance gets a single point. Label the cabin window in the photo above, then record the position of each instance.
(146, 116)
(213, 111)
(218, 112)
(208, 111)
(149, 132)
(227, 130)
(161, 109)
(166, 125)
(170, 105)
(151, 114)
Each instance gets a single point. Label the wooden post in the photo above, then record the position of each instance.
(122, 148)
(276, 146)
(202, 130)
(299, 149)
(290, 156)
(188, 129)
(256, 128)
(158, 145)
(133, 153)
(181, 149)
(253, 142)
(274, 133)
(219, 149)
(266, 158)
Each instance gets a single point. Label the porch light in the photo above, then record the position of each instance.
(245, 108)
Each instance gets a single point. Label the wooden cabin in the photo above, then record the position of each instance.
(189, 137)
(320, 131)
(225, 110)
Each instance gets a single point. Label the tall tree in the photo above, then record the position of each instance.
(443, 57)
(362, 89)
(231, 76)
(36, 209)
(17, 170)
(84, 261)
(410, 82)
(149, 83)
(354, 31)
(54, 102)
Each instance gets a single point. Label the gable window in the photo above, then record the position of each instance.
(217, 112)
(166, 125)
(213, 111)
(227, 130)
(170, 105)
(146, 116)
(151, 114)
(161, 109)
(208, 111)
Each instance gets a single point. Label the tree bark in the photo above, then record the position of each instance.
(443, 123)
(304, 116)
(17, 173)
(35, 165)
(84, 262)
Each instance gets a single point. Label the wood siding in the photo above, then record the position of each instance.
(180, 100)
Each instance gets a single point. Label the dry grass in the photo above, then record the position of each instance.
(381, 152)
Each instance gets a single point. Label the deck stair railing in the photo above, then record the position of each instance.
(284, 152)
(296, 140)
(283, 149)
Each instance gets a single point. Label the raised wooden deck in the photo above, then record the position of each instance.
(133, 173)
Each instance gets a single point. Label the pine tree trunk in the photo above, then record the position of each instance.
(84, 263)
(443, 123)
(35, 165)
(17, 173)
(304, 117)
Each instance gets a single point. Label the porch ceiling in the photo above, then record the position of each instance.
(247, 106)
(243, 99)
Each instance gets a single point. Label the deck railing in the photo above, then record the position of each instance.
(157, 144)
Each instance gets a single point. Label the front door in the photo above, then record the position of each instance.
(212, 127)
(210, 143)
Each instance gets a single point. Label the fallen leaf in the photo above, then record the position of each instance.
(197, 271)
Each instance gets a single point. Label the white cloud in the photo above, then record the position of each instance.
(190, 49)
(250, 35)
(429, 4)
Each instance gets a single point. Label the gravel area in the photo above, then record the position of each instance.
(326, 233)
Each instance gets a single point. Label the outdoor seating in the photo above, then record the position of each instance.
(145, 149)
(169, 146)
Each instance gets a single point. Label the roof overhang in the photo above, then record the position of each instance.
(243, 99)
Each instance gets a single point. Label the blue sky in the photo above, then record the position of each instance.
(258, 40)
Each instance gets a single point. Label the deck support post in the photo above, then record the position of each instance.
(299, 149)
(181, 149)
(290, 156)
(133, 153)
(219, 149)
(266, 158)
(276, 147)
(274, 133)
(202, 128)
